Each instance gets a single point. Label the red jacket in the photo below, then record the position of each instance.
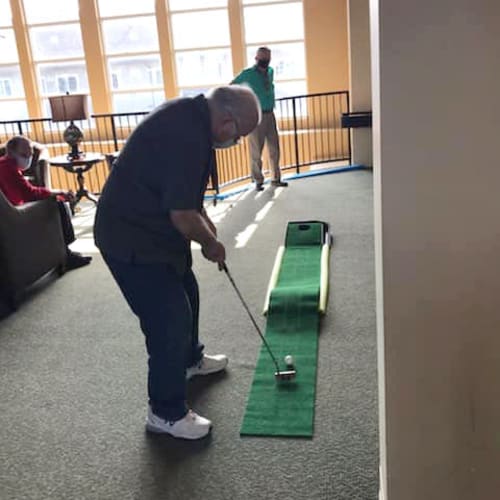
(15, 187)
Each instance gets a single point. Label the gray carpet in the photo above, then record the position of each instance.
(73, 379)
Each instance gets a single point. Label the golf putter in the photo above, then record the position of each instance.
(280, 375)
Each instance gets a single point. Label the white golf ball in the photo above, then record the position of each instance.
(289, 359)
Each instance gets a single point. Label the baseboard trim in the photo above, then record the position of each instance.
(381, 491)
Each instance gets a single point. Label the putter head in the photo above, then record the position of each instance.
(285, 375)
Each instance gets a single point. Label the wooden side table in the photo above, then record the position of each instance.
(79, 167)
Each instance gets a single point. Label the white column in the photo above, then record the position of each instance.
(436, 102)
(359, 77)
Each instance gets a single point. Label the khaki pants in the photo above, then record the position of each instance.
(268, 132)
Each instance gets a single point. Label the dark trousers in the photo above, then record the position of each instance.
(67, 225)
(167, 306)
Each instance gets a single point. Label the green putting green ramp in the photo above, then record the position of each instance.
(287, 408)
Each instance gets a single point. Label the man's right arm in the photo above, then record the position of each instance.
(25, 189)
(193, 226)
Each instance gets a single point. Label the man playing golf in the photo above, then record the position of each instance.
(150, 210)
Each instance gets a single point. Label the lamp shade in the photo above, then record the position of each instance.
(68, 107)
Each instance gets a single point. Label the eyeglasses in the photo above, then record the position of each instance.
(237, 127)
(23, 154)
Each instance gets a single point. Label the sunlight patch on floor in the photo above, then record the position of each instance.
(263, 211)
(244, 236)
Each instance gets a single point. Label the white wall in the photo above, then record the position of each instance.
(436, 91)
(359, 77)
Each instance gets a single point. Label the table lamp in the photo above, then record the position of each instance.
(70, 107)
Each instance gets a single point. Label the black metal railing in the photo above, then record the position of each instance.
(310, 132)
(317, 135)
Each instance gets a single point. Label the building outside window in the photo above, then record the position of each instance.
(132, 54)
(12, 97)
(201, 43)
(57, 48)
(67, 83)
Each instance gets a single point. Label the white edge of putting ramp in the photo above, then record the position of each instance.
(323, 287)
(274, 276)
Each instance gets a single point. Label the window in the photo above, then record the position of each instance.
(59, 78)
(203, 67)
(115, 82)
(50, 11)
(67, 83)
(6, 87)
(132, 54)
(136, 34)
(195, 4)
(57, 47)
(155, 76)
(110, 8)
(202, 44)
(136, 73)
(12, 100)
(262, 22)
(285, 39)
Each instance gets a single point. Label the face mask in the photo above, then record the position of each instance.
(263, 63)
(226, 144)
(22, 162)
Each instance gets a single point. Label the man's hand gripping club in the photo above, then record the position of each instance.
(197, 226)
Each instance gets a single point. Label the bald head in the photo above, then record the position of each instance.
(18, 144)
(235, 112)
(263, 53)
(19, 148)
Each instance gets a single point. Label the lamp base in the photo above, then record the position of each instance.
(74, 153)
(73, 136)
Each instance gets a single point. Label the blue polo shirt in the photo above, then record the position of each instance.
(164, 165)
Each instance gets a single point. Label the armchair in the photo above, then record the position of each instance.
(31, 245)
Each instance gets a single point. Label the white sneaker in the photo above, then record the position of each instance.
(208, 364)
(192, 426)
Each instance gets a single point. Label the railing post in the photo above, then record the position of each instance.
(113, 131)
(349, 131)
(214, 174)
(20, 128)
(295, 136)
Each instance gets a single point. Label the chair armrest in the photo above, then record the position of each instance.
(31, 244)
(32, 222)
(32, 228)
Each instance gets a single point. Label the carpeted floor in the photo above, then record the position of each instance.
(72, 372)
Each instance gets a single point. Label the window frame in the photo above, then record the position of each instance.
(122, 55)
(41, 82)
(174, 51)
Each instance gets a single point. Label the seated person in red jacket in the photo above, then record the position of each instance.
(18, 190)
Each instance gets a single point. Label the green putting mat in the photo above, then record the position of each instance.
(287, 408)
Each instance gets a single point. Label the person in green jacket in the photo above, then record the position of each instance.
(260, 79)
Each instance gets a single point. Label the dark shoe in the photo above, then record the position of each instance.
(279, 184)
(259, 187)
(75, 260)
